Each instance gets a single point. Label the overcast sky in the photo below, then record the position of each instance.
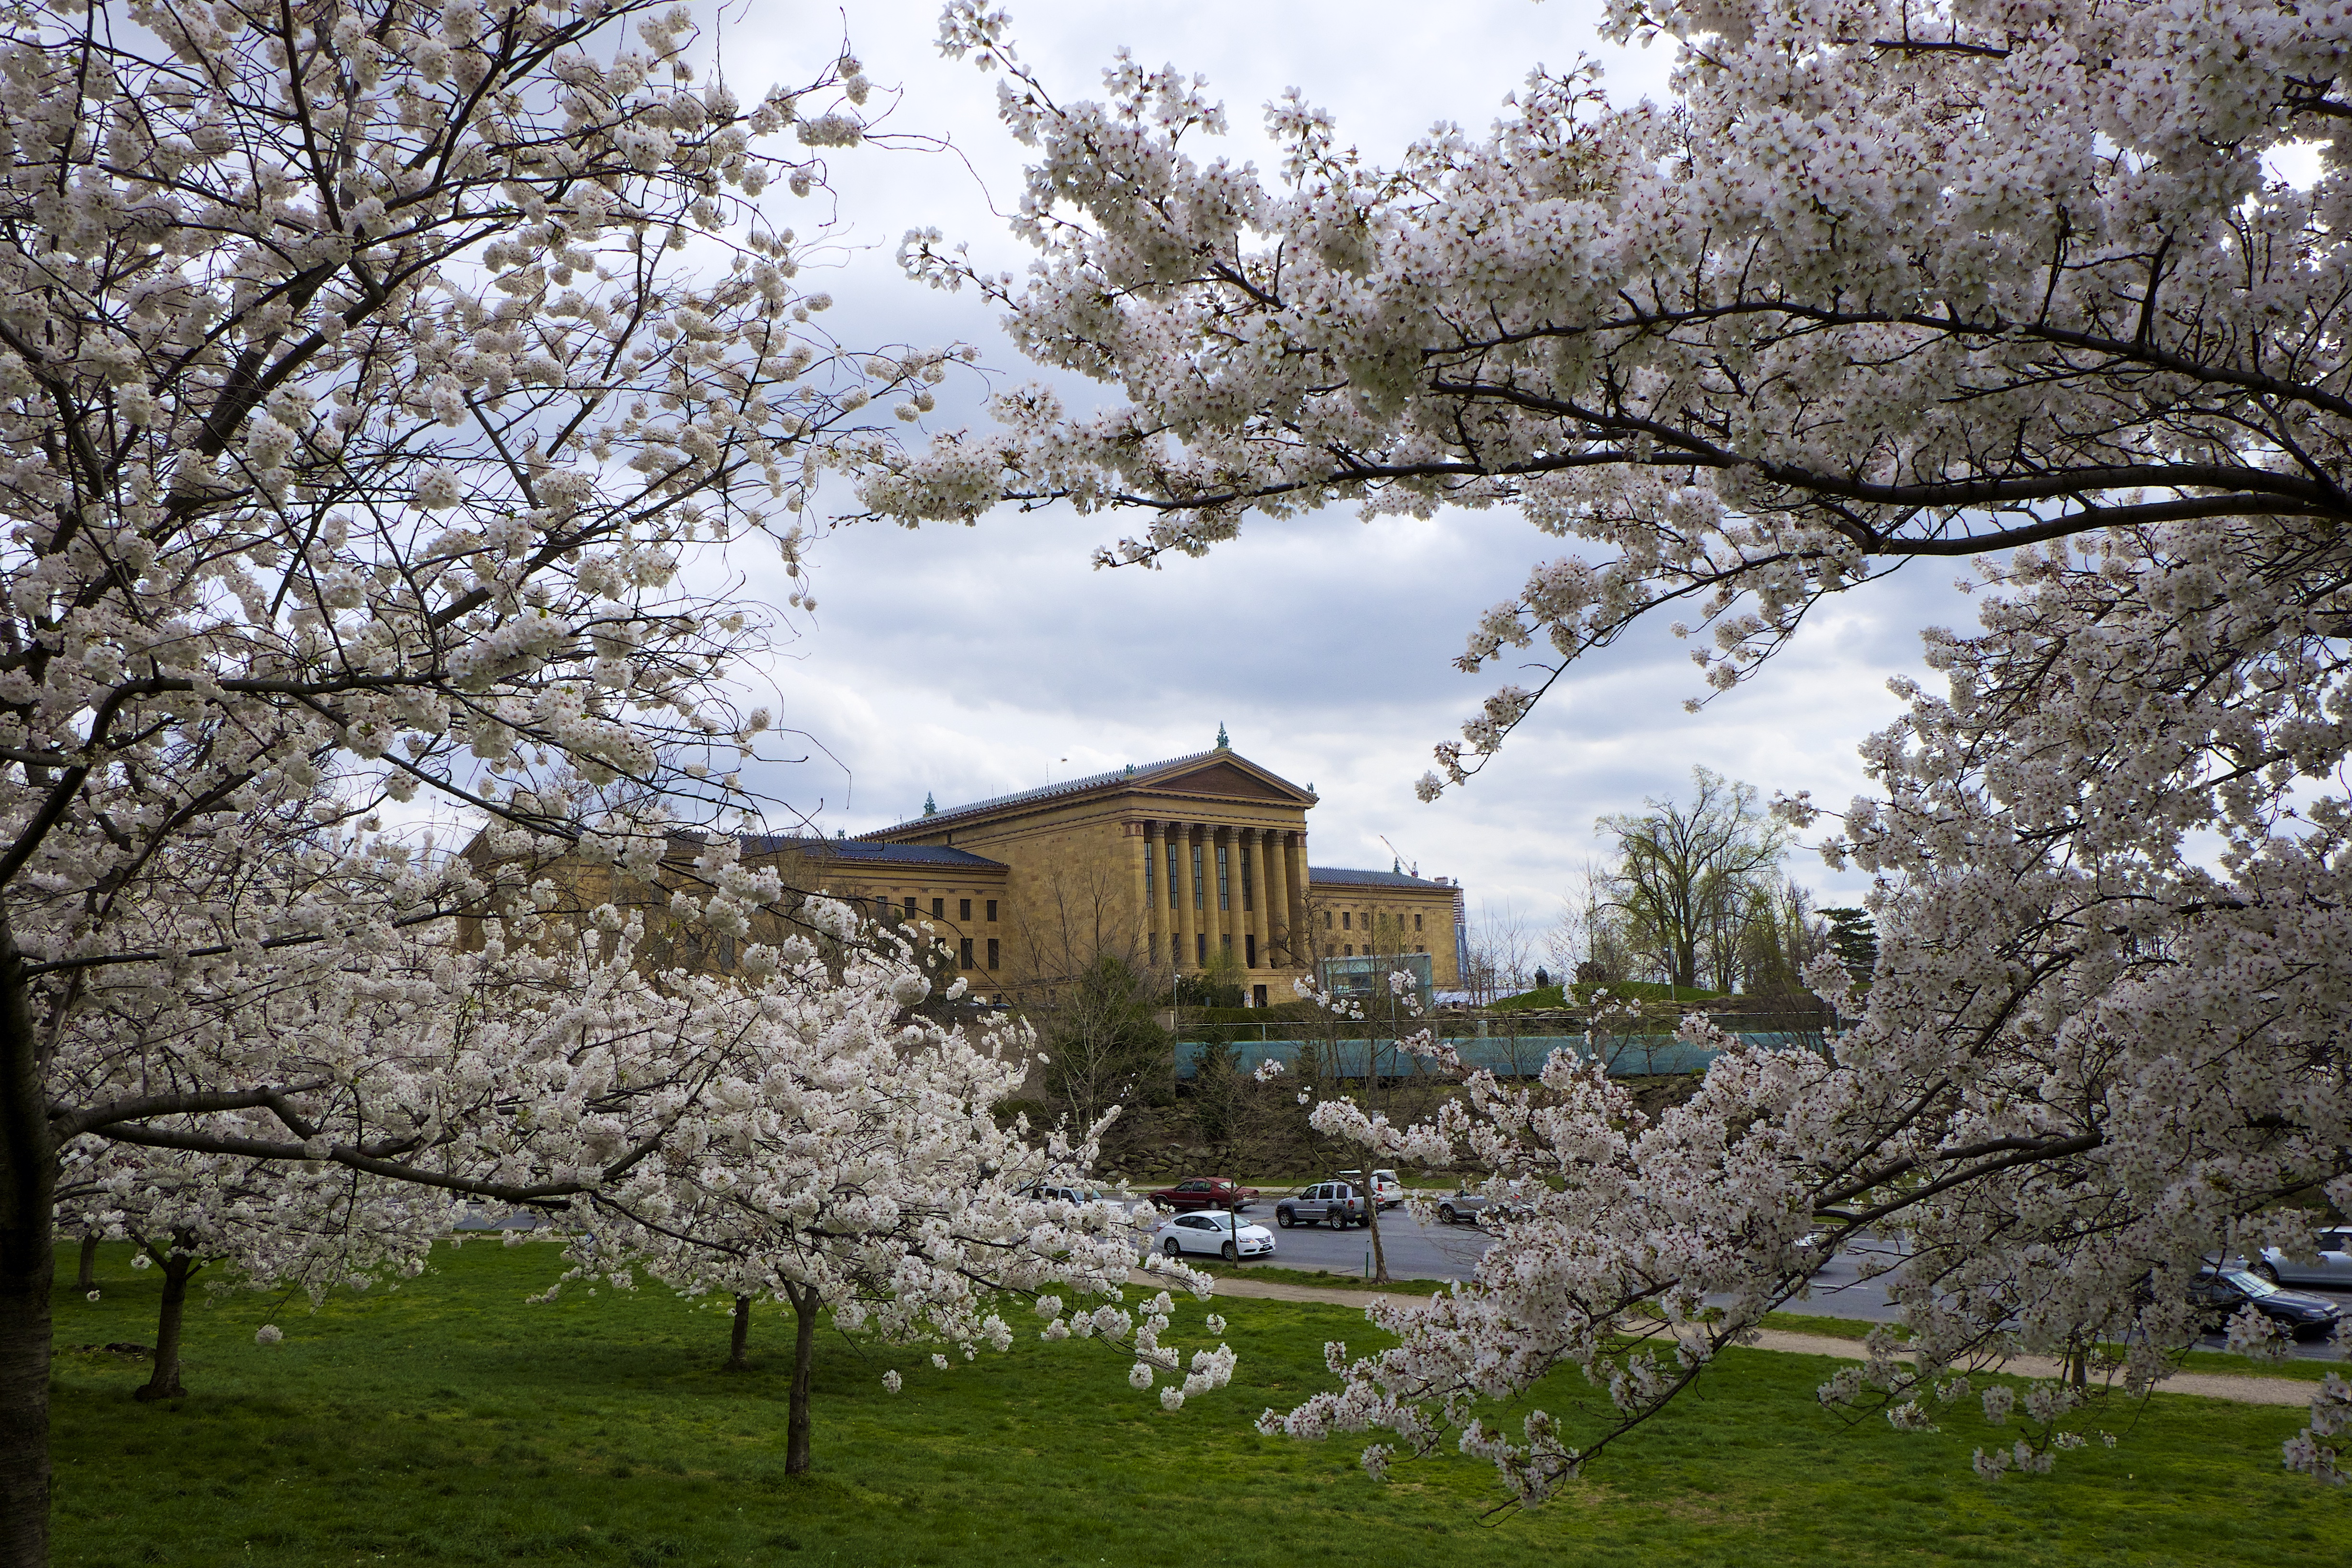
(969, 662)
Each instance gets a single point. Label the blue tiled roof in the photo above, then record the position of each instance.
(860, 849)
(1066, 787)
(1340, 876)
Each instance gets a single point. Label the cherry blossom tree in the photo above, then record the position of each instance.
(1882, 282)
(849, 1160)
(373, 377)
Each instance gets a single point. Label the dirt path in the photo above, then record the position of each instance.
(2239, 1390)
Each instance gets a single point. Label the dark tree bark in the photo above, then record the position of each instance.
(27, 1269)
(736, 1361)
(87, 1281)
(806, 1304)
(1373, 1224)
(164, 1382)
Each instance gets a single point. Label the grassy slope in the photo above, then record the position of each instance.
(449, 1423)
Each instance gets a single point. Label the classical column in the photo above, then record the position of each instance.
(1137, 848)
(1155, 902)
(1236, 924)
(1185, 924)
(1293, 881)
(1253, 908)
(1271, 897)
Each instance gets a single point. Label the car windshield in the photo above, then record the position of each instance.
(2252, 1284)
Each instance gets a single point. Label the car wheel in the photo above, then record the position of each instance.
(1282, 1218)
(1446, 1212)
(2266, 1271)
(1172, 1248)
(1230, 1253)
(1336, 1218)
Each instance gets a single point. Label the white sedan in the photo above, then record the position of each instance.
(1215, 1232)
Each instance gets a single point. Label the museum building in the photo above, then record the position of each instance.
(1170, 863)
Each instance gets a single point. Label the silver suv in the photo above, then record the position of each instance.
(1335, 1204)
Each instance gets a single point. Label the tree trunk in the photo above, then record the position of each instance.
(1372, 1223)
(165, 1382)
(735, 1360)
(806, 1304)
(27, 1270)
(87, 1279)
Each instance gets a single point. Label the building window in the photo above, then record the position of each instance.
(1172, 873)
(1201, 948)
(910, 908)
(965, 952)
(1346, 919)
(1418, 948)
(939, 909)
(1152, 949)
(1257, 995)
(963, 910)
(1199, 892)
(1348, 950)
(1246, 883)
(1416, 925)
(1327, 920)
(992, 953)
(992, 911)
(1224, 880)
(1249, 950)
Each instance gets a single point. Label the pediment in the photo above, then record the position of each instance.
(1224, 781)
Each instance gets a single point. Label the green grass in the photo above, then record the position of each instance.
(450, 1423)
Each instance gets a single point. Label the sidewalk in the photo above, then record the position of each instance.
(2238, 1390)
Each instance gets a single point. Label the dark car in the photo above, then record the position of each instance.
(1335, 1204)
(2218, 1294)
(1205, 1193)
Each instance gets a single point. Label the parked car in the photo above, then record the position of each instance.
(1387, 1191)
(1466, 1206)
(2219, 1293)
(1335, 1203)
(1219, 1235)
(1067, 1193)
(1205, 1193)
(2332, 1267)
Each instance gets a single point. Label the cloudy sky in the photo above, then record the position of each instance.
(969, 662)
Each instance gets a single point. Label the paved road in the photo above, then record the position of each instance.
(1452, 1252)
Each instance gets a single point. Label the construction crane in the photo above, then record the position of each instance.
(1412, 870)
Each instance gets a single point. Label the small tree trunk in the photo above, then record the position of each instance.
(27, 1270)
(1372, 1221)
(805, 1304)
(735, 1359)
(87, 1281)
(165, 1382)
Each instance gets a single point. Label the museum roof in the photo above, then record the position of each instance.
(1117, 778)
(1342, 876)
(860, 849)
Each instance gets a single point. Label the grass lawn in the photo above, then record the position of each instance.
(450, 1423)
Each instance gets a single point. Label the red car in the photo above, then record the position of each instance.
(1205, 1193)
